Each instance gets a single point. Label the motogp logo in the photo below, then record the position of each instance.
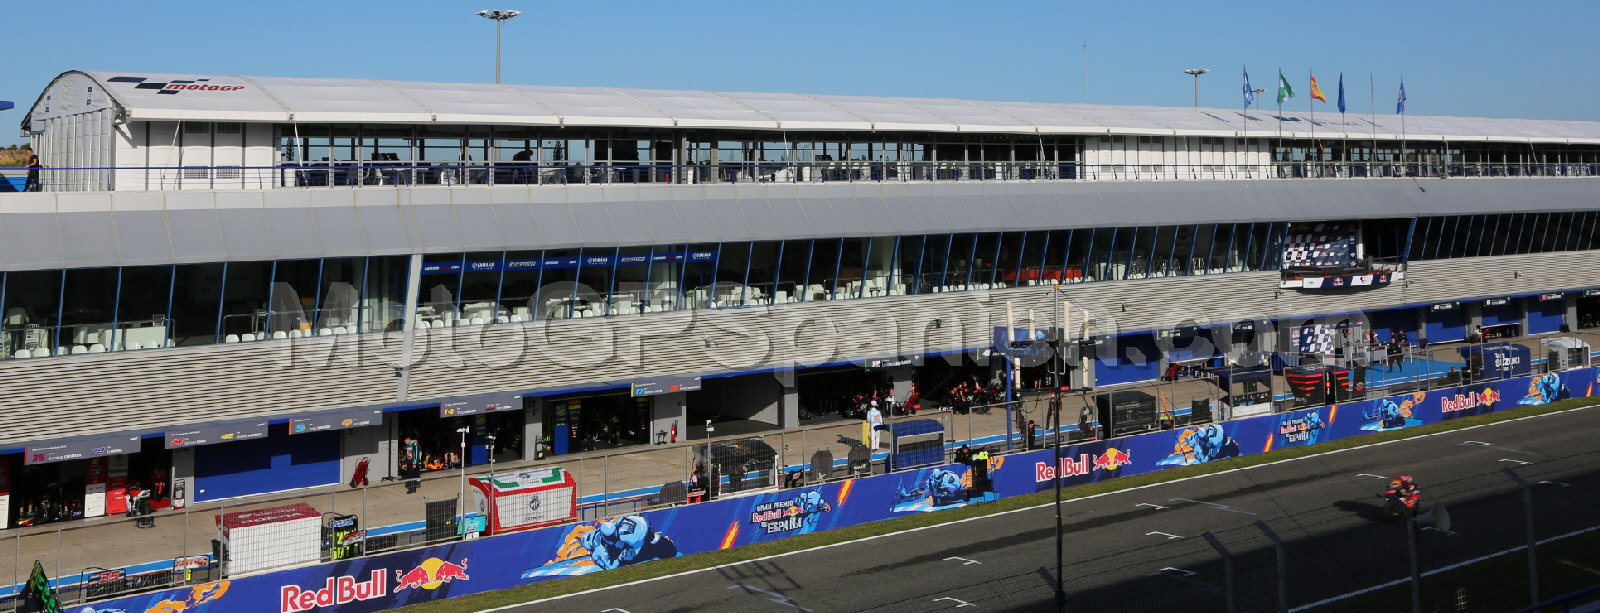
(176, 85)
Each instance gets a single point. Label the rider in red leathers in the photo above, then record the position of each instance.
(1405, 489)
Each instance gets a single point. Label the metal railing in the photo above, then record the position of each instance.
(401, 174)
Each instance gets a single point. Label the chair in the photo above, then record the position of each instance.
(279, 335)
(341, 330)
(132, 346)
(61, 351)
(329, 331)
(231, 338)
(22, 353)
(478, 321)
(422, 324)
(97, 348)
(79, 350)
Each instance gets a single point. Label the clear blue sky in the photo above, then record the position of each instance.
(1467, 58)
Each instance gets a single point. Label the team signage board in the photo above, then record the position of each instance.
(666, 385)
(1496, 301)
(79, 448)
(336, 420)
(1551, 297)
(481, 403)
(559, 262)
(1446, 306)
(207, 434)
(1591, 292)
(888, 363)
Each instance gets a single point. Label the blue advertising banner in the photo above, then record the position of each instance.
(383, 582)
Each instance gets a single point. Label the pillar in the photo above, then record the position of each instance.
(532, 426)
(667, 410)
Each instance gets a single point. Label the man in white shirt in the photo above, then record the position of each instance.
(874, 422)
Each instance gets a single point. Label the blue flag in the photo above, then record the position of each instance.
(1249, 94)
(1400, 103)
(1341, 92)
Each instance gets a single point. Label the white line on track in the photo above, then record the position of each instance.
(1033, 508)
(1439, 570)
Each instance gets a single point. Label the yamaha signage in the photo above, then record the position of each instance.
(1446, 306)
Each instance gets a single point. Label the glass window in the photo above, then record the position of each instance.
(384, 298)
(195, 307)
(437, 294)
(87, 303)
(699, 275)
(909, 280)
(762, 274)
(520, 283)
(824, 269)
(557, 295)
(732, 268)
(852, 260)
(666, 274)
(294, 297)
(141, 311)
(480, 289)
(244, 303)
(793, 257)
(339, 299)
(32, 309)
(595, 270)
(936, 263)
(882, 268)
(958, 271)
(1101, 257)
(633, 270)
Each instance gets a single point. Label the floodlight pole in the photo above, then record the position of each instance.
(1196, 72)
(499, 18)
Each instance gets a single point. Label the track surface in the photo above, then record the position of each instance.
(1142, 550)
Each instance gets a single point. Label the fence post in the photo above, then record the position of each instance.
(1227, 568)
(1533, 540)
(605, 496)
(1283, 565)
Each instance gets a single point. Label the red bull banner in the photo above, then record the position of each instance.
(388, 581)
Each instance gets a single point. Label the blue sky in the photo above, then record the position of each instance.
(1468, 58)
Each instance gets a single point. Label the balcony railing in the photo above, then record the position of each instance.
(392, 174)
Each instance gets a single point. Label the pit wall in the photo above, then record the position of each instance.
(386, 581)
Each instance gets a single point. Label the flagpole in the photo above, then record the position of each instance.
(1372, 105)
(1344, 141)
(1311, 103)
(1402, 110)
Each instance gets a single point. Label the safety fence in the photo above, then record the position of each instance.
(384, 574)
(392, 174)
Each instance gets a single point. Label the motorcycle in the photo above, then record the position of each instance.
(1397, 507)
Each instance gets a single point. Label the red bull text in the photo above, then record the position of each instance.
(337, 591)
(1112, 459)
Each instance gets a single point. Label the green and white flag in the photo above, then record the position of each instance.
(1284, 91)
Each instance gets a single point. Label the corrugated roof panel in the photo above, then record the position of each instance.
(594, 106)
(796, 112)
(890, 113)
(702, 109)
(1048, 118)
(476, 103)
(350, 100)
(1120, 120)
(972, 116)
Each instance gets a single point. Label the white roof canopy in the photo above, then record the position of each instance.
(150, 96)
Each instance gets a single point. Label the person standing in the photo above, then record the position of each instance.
(32, 184)
(874, 423)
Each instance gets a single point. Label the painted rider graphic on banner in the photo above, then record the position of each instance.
(604, 545)
(1387, 414)
(1545, 389)
(931, 489)
(1199, 445)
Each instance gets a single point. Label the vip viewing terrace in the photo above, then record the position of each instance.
(222, 132)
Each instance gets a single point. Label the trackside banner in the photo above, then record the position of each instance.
(383, 582)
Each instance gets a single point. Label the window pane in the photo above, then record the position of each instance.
(194, 308)
(141, 310)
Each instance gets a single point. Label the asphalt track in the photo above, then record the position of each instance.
(1142, 550)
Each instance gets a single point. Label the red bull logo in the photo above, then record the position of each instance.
(430, 574)
(336, 591)
(1111, 459)
(1462, 402)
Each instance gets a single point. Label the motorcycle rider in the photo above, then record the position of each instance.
(1404, 488)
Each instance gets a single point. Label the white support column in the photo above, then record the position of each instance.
(408, 336)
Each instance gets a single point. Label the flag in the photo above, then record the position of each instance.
(1249, 95)
(1341, 92)
(1400, 103)
(1284, 91)
(1316, 92)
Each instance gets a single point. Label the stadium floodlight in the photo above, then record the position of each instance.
(499, 18)
(1196, 72)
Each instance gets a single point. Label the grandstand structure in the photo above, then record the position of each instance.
(321, 268)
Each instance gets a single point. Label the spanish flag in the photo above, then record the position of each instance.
(1316, 92)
